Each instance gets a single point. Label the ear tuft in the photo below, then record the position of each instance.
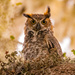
(47, 13)
(48, 9)
(27, 15)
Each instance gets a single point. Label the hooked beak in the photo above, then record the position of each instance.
(38, 27)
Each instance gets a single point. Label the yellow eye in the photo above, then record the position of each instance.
(44, 22)
(33, 22)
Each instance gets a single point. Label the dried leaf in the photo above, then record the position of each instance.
(6, 52)
(13, 53)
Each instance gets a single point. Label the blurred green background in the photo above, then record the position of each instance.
(12, 22)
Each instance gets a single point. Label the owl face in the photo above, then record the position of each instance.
(38, 22)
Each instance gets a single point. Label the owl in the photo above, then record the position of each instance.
(39, 39)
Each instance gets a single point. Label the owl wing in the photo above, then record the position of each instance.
(52, 42)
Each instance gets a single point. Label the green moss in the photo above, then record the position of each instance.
(19, 3)
(64, 54)
(12, 37)
(73, 51)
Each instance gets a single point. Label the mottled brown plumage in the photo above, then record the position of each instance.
(39, 38)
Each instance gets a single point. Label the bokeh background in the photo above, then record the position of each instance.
(12, 23)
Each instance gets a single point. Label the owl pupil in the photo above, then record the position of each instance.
(43, 21)
(33, 21)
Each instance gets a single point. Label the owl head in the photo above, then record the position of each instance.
(38, 22)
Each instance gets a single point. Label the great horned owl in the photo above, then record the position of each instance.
(39, 38)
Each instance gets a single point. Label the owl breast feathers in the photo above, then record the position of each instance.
(39, 38)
